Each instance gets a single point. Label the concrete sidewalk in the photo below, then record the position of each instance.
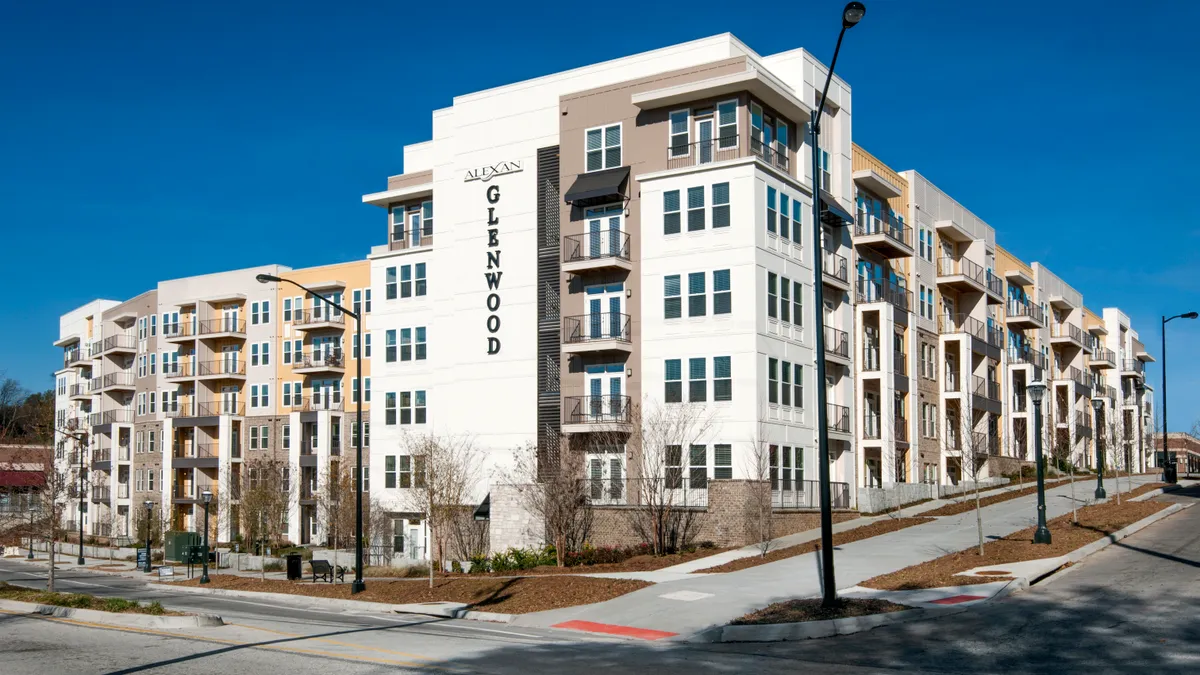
(687, 607)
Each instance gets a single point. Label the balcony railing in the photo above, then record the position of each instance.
(1133, 366)
(867, 224)
(806, 494)
(121, 341)
(1102, 355)
(834, 266)
(900, 429)
(872, 428)
(320, 358)
(598, 245)
(875, 290)
(953, 385)
(870, 358)
(995, 284)
(900, 363)
(323, 314)
(122, 490)
(704, 152)
(773, 155)
(1016, 308)
(986, 388)
(120, 379)
(178, 330)
(102, 455)
(101, 495)
(1068, 330)
(75, 357)
(195, 450)
(221, 367)
(983, 443)
(675, 487)
(117, 416)
(95, 384)
(964, 323)
(209, 408)
(596, 327)
(1016, 355)
(223, 325)
(837, 342)
(597, 409)
(122, 453)
(193, 490)
(837, 417)
(402, 239)
(174, 369)
(79, 389)
(948, 266)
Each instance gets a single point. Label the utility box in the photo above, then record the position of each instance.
(178, 543)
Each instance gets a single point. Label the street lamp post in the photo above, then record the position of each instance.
(1036, 391)
(1097, 404)
(207, 497)
(1140, 387)
(851, 15)
(358, 586)
(149, 507)
(32, 510)
(1168, 476)
(79, 444)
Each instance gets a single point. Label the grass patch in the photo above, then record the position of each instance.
(839, 538)
(80, 601)
(797, 611)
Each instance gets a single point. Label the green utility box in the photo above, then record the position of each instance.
(178, 543)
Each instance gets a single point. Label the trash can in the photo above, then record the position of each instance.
(294, 566)
(1170, 473)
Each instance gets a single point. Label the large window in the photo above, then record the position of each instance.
(695, 214)
(720, 205)
(673, 376)
(671, 214)
(680, 123)
(603, 147)
(672, 300)
(722, 295)
(697, 305)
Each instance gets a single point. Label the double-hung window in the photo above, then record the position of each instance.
(603, 147)
(397, 222)
(783, 215)
(406, 281)
(785, 301)
(797, 222)
(389, 408)
(696, 299)
(390, 283)
(697, 380)
(727, 124)
(785, 390)
(722, 295)
(287, 395)
(419, 346)
(671, 213)
(722, 461)
(672, 301)
(287, 310)
(720, 205)
(389, 347)
(772, 380)
(389, 471)
(823, 167)
(695, 216)
(798, 385)
(680, 124)
(722, 378)
(772, 214)
(797, 303)
(406, 344)
(772, 295)
(697, 466)
(673, 376)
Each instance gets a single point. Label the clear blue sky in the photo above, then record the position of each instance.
(136, 137)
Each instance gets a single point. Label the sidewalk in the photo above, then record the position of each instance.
(686, 607)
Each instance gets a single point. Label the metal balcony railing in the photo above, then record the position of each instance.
(221, 367)
(75, 357)
(837, 417)
(223, 407)
(116, 416)
(120, 341)
(598, 245)
(872, 428)
(677, 486)
(900, 429)
(1068, 330)
(867, 224)
(704, 152)
(195, 450)
(320, 358)
(964, 323)
(1102, 355)
(948, 266)
(185, 368)
(181, 329)
(596, 409)
(223, 325)
(952, 383)
(193, 490)
(788, 493)
(986, 388)
(318, 315)
(1016, 308)
(995, 284)
(983, 443)
(1018, 355)
(834, 266)
(837, 342)
(596, 327)
(900, 363)
(1133, 366)
(80, 389)
(119, 379)
(773, 155)
(871, 358)
(877, 290)
(101, 495)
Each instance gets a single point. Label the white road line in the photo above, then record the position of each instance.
(492, 630)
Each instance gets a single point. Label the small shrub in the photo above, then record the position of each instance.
(456, 567)
(480, 563)
(273, 566)
(117, 605)
(74, 600)
(154, 608)
(707, 544)
(503, 562)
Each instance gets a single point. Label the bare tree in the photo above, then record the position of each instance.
(55, 480)
(559, 497)
(446, 472)
(12, 409)
(759, 509)
(335, 504)
(1115, 448)
(268, 486)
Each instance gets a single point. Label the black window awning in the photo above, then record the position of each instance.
(598, 187)
(832, 212)
(484, 510)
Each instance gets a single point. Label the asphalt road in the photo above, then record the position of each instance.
(1128, 608)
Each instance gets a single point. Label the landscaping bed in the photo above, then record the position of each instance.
(1094, 522)
(606, 559)
(796, 611)
(517, 595)
(839, 538)
(81, 601)
(968, 503)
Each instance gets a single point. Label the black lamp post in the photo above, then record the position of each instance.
(207, 497)
(851, 15)
(358, 586)
(32, 510)
(1141, 391)
(1036, 391)
(1168, 476)
(149, 511)
(1097, 405)
(80, 442)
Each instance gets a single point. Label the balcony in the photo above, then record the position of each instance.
(705, 152)
(995, 289)
(951, 383)
(320, 361)
(1024, 315)
(835, 270)
(1066, 334)
(318, 318)
(983, 443)
(872, 426)
(891, 239)
(1133, 368)
(191, 455)
(1073, 374)
(222, 407)
(221, 369)
(223, 327)
(599, 251)
(771, 155)
(900, 429)
(964, 323)
(184, 492)
(837, 419)
(123, 453)
(80, 392)
(95, 384)
(1083, 425)
(179, 332)
(402, 241)
(877, 290)
(181, 407)
(117, 344)
(1018, 356)
(332, 402)
(900, 363)
(1102, 359)
(584, 414)
(117, 416)
(675, 487)
(961, 274)
(102, 459)
(117, 381)
(76, 358)
(591, 333)
(101, 495)
(122, 490)
(837, 345)
(179, 370)
(985, 388)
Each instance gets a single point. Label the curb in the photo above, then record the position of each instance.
(811, 630)
(113, 619)
(1154, 493)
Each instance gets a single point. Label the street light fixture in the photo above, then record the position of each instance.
(851, 15)
(1036, 391)
(32, 510)
(149, 506)
(1168, 474)
(1140, 387)
(1097, 406)
(358, 586)
(80, 440)
(207, 497)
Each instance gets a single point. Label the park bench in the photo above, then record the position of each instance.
(322, 569)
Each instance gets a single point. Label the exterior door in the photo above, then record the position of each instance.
(229, 359)
(605, 319)
(229, 316)
(414, 228)
(871, 348)
(229, 400)
(704, 137)
(871, 418)
(604, 232)
(605, 401)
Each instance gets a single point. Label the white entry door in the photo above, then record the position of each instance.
(229, 400)
(229, 316)
(605, 400)
(605, 318)
(704, 140)
(229, 359)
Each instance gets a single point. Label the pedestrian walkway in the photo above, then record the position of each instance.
(688, 606)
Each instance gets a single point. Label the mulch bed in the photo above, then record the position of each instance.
(839, 538)
(518, 595)
(1094, 522)
(795, 611)
(639, 563)
(968, 503)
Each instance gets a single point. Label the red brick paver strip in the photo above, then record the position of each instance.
(956, 599)
(609, 629)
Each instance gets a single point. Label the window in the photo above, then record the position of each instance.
(412, 407)
(772, 380)
(673, 464)
(720, 205)
(671, 216)
(367, 304)
(698, 466)
(695, 209)
(389, 343)
(696, 301)
(672, 302)
(287, 394)
(823, 167)
(150, 439)
(406, 344)
(785, 391)
(727, 124)
(390, 283)
(287, 352)
(785, 302)
(354, 346)
(368, 349)
(389, 408)
(141, 403)
(405, 471)
(772, 295)
(397, 222)
(139, 482)
(680, 122)
(697, 380)
(254, 354)
(254, 314)
(153, 325)
(427, 217)
(253, 438)
(150, 472)
(142, 332)
(783, 215)
(797, 222)
(674, 381)
(287, 436)
(798, 386)
(603, 147)
(722, 461)
(421, 350)
(153, 396)
(153, 358)
(772, 214)
(356, 300)
(797, 303)
(139, 446)
(254, 396)
(389, 471)
(722, 295)
(265, 316)
(722, 378)
(287, 310)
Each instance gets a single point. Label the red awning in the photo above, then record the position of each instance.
(22, 479)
